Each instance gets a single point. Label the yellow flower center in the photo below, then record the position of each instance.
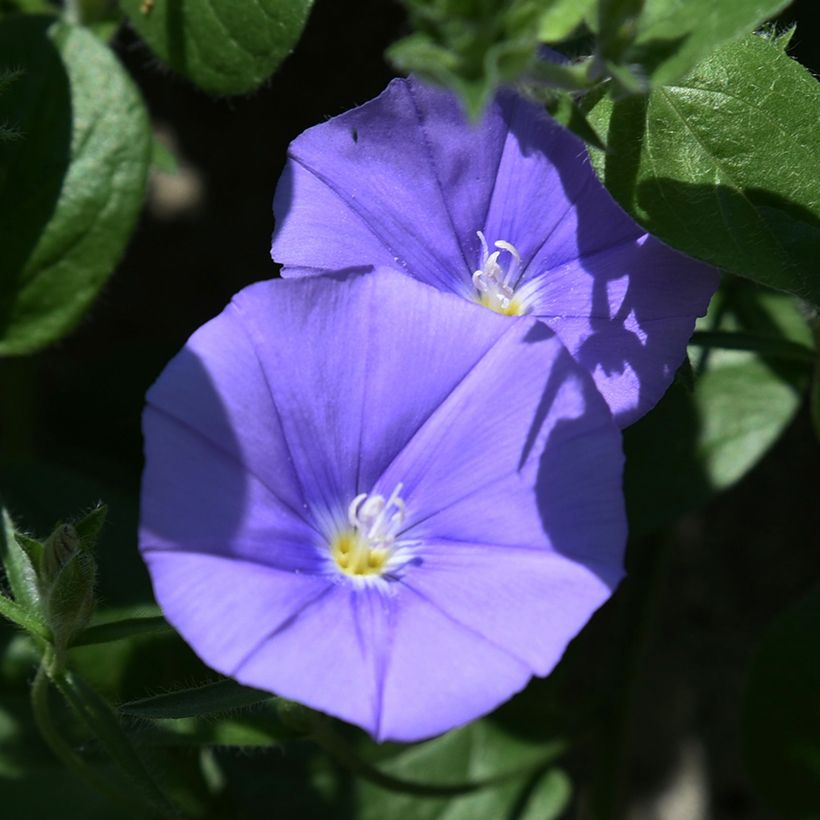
(367, 547)
(354, 556)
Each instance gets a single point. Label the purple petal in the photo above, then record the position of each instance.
(329, 656)
(304, 394)
(626, 313)
(196, 497)
(532, 603)
(417, 182)
(359, 364)
(224, 607)
(522, 453)
(374, 166)
(441, 673)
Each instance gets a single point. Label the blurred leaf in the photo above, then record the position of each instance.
(32, 782)
(782, 713)
(121, 630)
(480, 752)
(257, 730)
(560, 18)
(72, 185)
(469, 46)
(674, 35)
(724, 165)
(616, 24)
(162, 158)
(564, 110)
(224, 46)
(210, 698)
(694, 444)
(765, 346)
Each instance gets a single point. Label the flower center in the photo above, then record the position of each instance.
(495, 285)
(367, 547)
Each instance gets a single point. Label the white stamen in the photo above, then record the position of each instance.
(376, 520)
(495, 284)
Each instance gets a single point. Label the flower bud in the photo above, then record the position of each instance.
(68, 574)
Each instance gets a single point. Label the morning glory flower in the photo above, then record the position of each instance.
(508, 214)
(343, 507)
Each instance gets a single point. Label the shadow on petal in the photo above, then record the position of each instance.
(195, 484)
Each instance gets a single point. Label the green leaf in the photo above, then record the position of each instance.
(723, 166)
(71, 187)
(512, 769)
(782, 713)
(561, 18)
(674, 35)
(695, 444)
(211, 698)
(20, 574)
(224, 46)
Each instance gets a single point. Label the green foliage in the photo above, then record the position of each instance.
(72, 185)
(210, 698)
(471, 46)
(559, 18)
(224, 46)
(782, 715)
(20, 570)
(699, 442)
(672, 36)
(511, 776)
(724, 165)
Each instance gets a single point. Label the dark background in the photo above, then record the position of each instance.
(69, 417)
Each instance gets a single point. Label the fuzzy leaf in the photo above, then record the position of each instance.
(211, 698)
(224, 46)
(20, 572)
(72, 185)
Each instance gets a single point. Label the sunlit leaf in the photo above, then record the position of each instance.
(72, 185)
(224, 46)
(723, 165)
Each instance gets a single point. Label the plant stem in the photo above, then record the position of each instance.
(100, 718)
(70, 759)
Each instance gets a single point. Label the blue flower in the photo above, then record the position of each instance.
(345, 507)
(507, 214)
